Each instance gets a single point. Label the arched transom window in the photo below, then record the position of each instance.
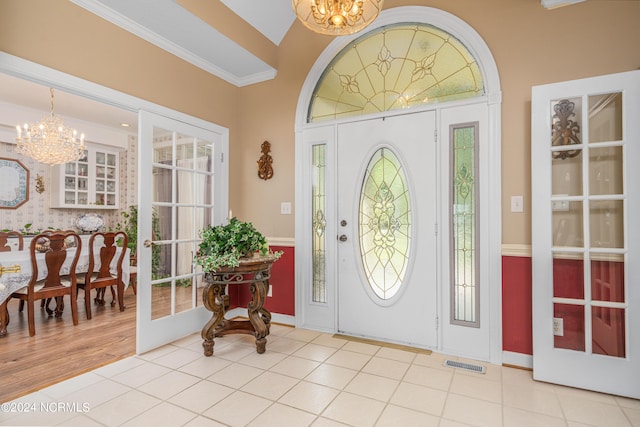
(394, 67)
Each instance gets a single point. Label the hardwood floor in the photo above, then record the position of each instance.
(60, 350)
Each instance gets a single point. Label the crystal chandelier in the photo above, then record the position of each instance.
(49, 141)
(336, 17)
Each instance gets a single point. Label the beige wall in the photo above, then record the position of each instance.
(531, 46)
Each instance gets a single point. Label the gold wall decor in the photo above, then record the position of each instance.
(265, 170)
(39, 184)
(564, 130)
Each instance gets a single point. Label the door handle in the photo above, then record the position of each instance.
(343, 238)
(149, 243)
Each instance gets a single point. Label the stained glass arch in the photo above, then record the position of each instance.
(397, 66)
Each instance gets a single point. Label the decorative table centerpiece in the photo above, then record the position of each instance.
(235, 253)
(224, 245)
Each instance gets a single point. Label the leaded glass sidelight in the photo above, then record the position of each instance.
(385, 224)
(395, 67)
(464, 221)
(319, 222)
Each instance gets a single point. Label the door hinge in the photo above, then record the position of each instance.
(435, 229)
(437, 322)
(221, 157)
(435, 135)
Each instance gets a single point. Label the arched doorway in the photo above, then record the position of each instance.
(456, 280)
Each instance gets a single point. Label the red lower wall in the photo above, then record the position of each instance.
(516, 297)
(517, 330)
(282, 282)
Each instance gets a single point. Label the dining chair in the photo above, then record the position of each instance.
(60, 277)
(103, 248)
(133, 273)
(4, 246)
(4, 240)
(67, 243)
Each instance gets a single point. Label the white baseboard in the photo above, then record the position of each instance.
(517, 359)
(283, 319)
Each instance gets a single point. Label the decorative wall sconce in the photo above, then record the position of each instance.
(564, 130)
(39, 184)
(265, 170)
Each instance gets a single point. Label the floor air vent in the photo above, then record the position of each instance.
(468, 366)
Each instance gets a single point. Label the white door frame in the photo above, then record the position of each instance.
(21, 68)
(323, 316)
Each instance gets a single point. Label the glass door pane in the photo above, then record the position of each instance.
(588, 215)
(182, 198)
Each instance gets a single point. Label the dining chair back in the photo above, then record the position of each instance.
(60, 275)
(4, 240)
(103, 249)
(133, 274)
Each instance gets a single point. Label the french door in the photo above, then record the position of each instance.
(586, 234)
(387, 205)
(182, 189)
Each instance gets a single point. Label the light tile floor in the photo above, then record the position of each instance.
(309, 378)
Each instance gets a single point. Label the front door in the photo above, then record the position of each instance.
(387, 204)
(586, 234)
(181, 190)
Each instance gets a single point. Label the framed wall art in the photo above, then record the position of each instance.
(14, 176)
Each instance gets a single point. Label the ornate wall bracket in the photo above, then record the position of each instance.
(564, 130)
(39, 184)
(265, 170)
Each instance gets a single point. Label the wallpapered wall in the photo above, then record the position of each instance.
(37, 212)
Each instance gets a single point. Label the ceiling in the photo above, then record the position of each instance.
(172, 27)
(168, 25)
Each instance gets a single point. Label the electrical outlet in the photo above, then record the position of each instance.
(558, 326)
(560, 205)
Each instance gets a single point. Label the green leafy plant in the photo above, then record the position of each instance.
(224, 245)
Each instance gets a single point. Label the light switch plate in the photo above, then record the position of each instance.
(517, 204)
(285, 208)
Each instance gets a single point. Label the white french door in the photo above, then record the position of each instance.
(387, 206)
(586, 234)
(182, 189)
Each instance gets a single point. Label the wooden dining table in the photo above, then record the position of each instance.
(12, 281)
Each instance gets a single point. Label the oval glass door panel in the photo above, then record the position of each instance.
(384, 227)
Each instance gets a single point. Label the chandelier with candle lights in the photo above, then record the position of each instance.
(336, 17)
(49, 141)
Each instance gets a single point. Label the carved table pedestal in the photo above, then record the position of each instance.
(255, 272)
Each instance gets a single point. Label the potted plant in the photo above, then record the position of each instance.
(224, 245)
